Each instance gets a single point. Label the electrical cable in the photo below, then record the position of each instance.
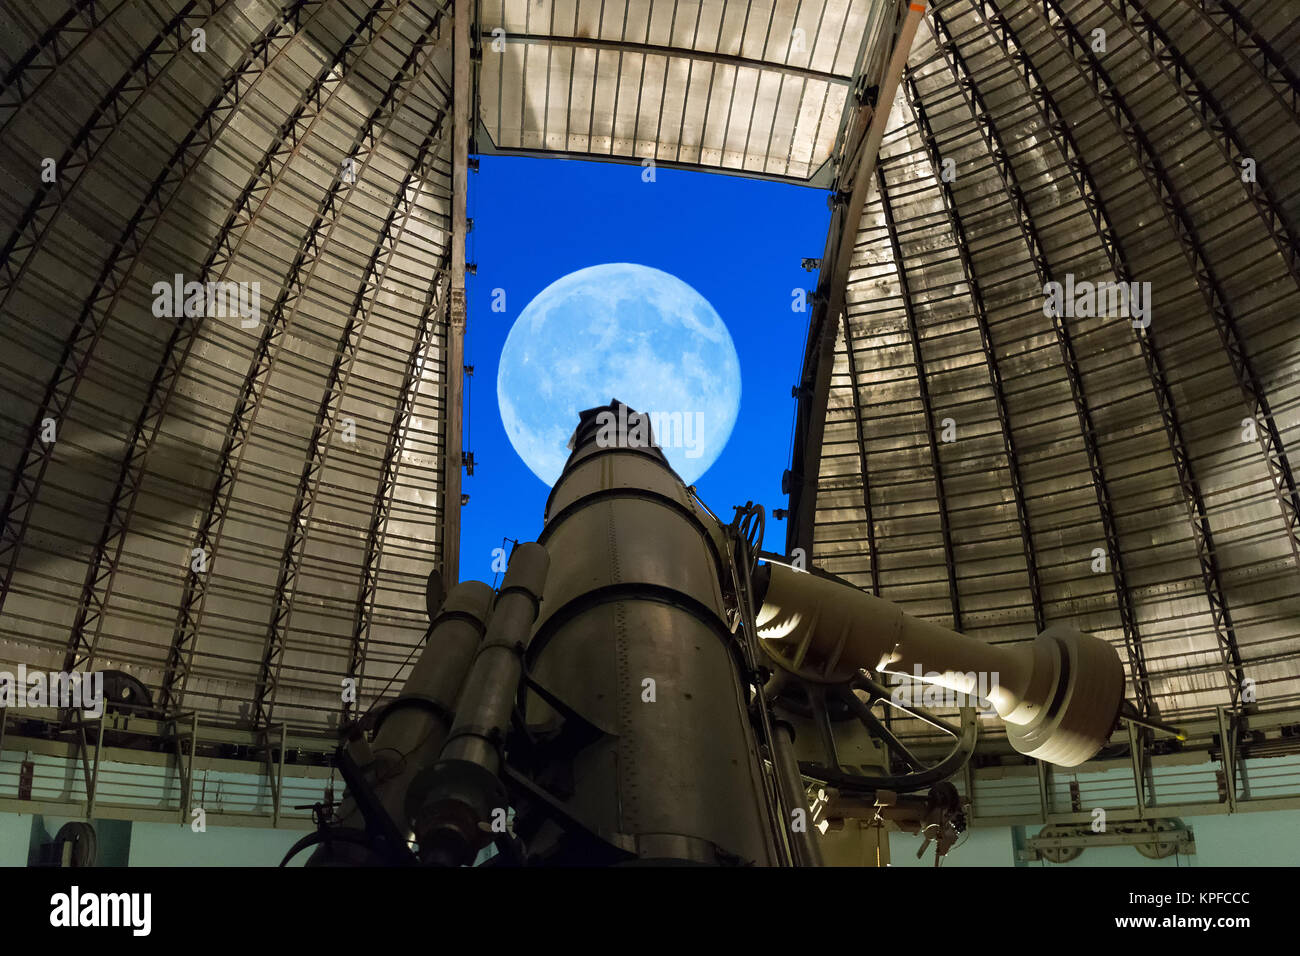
(743, 587)
(380, 696)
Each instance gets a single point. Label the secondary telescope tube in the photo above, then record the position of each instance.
(1059, 695)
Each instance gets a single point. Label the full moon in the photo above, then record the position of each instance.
(619, 331)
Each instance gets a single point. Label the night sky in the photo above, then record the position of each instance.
(738, 242)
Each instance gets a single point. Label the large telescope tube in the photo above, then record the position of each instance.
(1059, 696)
(632, 637)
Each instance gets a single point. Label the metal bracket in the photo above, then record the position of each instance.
(1228, 757)
(275, 773)
(380, 829)
(185, 769)
(1155, 838)
(561, 814)
(588, 731)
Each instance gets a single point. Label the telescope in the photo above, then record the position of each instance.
(648, 687)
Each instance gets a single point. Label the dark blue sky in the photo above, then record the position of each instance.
(738, 242)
